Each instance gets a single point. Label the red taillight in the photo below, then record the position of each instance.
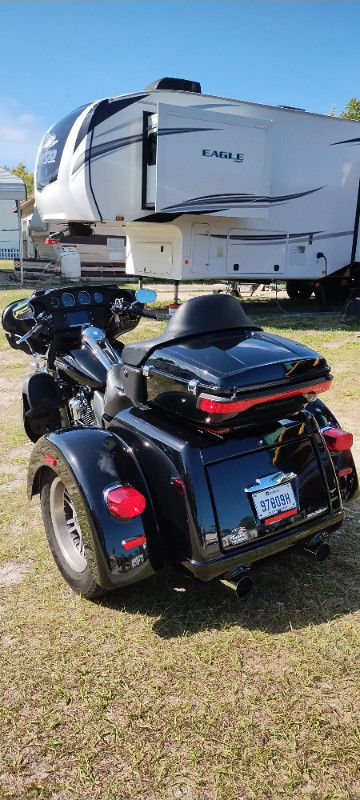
(337, 440)
(125, 502)
(214, 405)
(52, 241)
(128, 544)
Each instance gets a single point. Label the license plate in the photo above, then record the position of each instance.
(275, 503)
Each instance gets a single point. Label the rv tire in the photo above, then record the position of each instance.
(299, 290)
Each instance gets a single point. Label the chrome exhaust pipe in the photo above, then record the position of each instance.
(242, 580)
(244, 586)
(318, 548)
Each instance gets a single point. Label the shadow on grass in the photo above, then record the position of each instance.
(291, 591)
(299, 315)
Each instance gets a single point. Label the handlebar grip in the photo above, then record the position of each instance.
(150, 314)
(36, 329)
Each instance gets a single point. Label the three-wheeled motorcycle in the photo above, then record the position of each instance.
(205, 447)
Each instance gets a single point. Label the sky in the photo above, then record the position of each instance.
(56, 56)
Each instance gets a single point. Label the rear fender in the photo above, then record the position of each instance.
(343, 461)
(90, 461)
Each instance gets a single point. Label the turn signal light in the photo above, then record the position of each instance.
(125, 502)
(338, 440)
(214, 405)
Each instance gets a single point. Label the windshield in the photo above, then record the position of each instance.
(51, 149)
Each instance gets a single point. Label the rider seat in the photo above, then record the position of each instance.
(199, 315)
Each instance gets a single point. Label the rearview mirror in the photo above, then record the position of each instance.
(145, 296)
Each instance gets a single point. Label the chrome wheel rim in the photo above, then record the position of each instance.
(66, 526)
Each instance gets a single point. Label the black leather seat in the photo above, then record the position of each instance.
(199, 315)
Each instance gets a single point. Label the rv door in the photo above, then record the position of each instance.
(150, 133)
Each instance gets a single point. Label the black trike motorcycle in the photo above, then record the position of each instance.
(205, 447)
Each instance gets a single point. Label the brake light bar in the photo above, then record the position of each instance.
(214, 405)
(337, 440)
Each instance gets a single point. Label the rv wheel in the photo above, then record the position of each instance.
(64, 535)
(299, 290)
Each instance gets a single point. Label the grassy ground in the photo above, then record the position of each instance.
(172, 688)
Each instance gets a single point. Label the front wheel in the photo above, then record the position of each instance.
(64, 535)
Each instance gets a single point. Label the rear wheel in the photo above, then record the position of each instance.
(64, 535)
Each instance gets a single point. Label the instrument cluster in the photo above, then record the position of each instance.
(73, 306)
(82, 298)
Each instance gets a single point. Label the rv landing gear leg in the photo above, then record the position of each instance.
(176, 293)
(320, 294)
(141, 281)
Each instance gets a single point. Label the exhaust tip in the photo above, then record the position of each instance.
(320, 550)
(244, 586)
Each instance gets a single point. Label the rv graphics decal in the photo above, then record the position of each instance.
(346, 141)
(49, 140)
(94, 152)
(223, 202)
(268, 239)
(172, 131)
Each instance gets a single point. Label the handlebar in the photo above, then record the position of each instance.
(150, 314)
(43, 322)
(123, 306)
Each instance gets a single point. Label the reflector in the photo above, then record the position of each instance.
(128, 544)
(50, 459)
(337, 440)
(125, 502)
(344, 471)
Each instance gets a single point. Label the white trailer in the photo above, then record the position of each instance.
(209, 188)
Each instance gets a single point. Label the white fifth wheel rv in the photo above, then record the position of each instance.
(205, 187)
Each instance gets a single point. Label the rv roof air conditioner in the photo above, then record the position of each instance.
(177, 84)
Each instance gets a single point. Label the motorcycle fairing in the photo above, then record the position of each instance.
(50, 301)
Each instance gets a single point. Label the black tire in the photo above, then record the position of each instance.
(299, 290)
(64, 536)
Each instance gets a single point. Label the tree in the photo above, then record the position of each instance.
(352, 109)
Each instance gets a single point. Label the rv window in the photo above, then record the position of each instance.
(51, 149)
(151, 148)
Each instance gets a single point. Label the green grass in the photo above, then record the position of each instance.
(6, 263)
(172, 688)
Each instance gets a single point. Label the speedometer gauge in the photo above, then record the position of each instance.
(84, 298)
(67, 299)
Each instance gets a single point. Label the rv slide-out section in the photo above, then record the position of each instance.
(208, 187)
